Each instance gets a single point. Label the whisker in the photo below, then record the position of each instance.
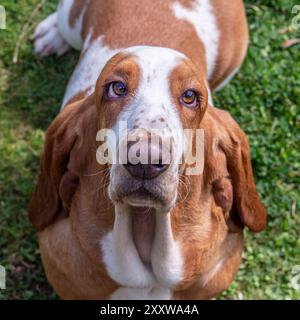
(186, 185)
(97, 173)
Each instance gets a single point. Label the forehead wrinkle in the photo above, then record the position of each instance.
(121, 73)
(195, 74)
(112, 64)
(187, 64)
(189, 81)
(124, 67)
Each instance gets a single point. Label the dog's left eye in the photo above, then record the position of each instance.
(116, 89)
(190, 99)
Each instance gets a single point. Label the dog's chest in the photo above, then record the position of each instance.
(143, 228)
(144, 260)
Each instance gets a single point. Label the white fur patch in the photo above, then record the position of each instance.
(47, 38)
(120, 256)
(166, 257)
(124, 265)
(94, 57)
(153, 101)
(71, 34)
(210, 97)
(202, 17)
(205, 280)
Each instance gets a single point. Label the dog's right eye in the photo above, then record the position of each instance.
(190, 99)
(116, 89)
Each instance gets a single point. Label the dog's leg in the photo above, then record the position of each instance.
(68, 268)
(61, 30)
(47, 38)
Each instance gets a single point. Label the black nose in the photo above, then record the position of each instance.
(146, 171)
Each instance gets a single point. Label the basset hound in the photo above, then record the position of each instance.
(137, 229)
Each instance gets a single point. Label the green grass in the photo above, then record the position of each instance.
(264, 98)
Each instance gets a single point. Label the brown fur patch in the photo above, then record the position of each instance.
(121, 67)
(120, 22)
(76, 10)
(232, 24)
(183, 77)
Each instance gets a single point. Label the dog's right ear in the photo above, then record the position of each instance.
(229, 169)
(68, 140)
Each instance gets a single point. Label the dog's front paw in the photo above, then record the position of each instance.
(47, 39)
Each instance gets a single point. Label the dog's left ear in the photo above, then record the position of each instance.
(230, 153)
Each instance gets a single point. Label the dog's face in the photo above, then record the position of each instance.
(148, 96)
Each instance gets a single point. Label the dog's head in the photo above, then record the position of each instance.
(147, 97)
(148, 106)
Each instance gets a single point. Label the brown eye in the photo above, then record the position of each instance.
(116, 89)
(190, 99)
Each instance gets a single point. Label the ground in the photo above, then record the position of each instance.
(264, 98)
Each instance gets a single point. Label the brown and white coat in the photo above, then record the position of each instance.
(101, 239)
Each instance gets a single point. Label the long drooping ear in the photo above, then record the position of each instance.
(231, 162)
(62, 160)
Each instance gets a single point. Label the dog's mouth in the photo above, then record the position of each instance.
(142, 198)
(159, 193)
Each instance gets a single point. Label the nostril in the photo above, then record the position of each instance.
(132, 164)
(136, 170)
(154, 170)
(159, 166)
(148, 159)
(145, 171)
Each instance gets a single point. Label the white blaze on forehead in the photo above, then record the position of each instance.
(202, 17)
(153, 106)
(156, 65)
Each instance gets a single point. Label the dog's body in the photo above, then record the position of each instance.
(212, 33)
(96, 245)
